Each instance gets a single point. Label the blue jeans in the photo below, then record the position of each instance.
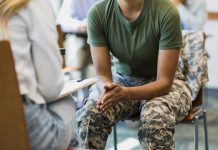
(50, 126)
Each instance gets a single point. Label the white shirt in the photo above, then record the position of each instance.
(73, 14)
(33, 39)
(193, 14)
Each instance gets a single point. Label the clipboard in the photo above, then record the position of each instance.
(71, 86)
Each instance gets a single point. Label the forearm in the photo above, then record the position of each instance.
(103, 77)
(102, 63)
(149, 91)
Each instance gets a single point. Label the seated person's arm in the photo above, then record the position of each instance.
(102, 62)
(167, 64)
(46, 56)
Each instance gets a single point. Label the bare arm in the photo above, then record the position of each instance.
(167, 63)
(102, 62)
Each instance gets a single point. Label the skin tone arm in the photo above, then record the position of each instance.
(102, 63)
(167, 64)
(113, 93)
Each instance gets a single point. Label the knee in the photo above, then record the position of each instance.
(156, 121)
(157, 114)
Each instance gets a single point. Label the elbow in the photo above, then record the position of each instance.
(51, 91)
(167, 85)
(167, 90)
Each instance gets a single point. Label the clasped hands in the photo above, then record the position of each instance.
(111, 95)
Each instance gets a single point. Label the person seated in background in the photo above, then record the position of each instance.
(193, 13)
(144, 37)
(29, 25)
(73, 18)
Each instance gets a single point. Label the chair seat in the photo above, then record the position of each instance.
(193, 113)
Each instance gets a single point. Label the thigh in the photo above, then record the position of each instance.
(47, 126)
(63, 109)
(170, 108)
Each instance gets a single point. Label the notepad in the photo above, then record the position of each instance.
(71, 86)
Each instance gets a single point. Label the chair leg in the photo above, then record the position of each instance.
(205, 130)
(115, 137)
(196, 120)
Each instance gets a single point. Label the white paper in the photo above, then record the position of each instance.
(72, 86)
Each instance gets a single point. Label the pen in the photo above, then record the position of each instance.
(79, 80)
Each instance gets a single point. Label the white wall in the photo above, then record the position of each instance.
(212, 5)
(56, 5)
(211, 28)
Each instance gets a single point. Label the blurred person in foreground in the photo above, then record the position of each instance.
(29, 25)
(73, 19)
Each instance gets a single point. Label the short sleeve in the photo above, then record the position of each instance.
(170, 34)
(96, 34)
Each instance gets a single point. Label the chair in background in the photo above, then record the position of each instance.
(60, 36)
(12, 124)
(62, 49)
(61, 44)
(83, 93)
(193, 63)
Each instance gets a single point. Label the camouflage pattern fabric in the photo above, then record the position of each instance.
(193, 60)
(157, 116)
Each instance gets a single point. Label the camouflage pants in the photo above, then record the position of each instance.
(157, 116)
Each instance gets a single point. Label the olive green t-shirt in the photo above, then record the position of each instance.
(135, 44)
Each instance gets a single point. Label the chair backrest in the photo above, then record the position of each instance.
(61, 44)
(13, 132)
(60, 36)
(193, 63)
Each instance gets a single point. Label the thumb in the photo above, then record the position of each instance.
(109, 86)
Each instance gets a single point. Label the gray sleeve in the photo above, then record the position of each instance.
(45, 52)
